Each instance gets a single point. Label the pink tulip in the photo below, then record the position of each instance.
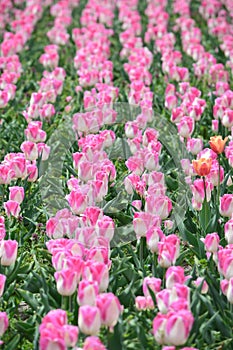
(228, 230)
(225, 262)
(4, 323)
(110, 309)
(198, 190)
(16, 194)
(178, 327)
(43, 151)
(96, 271)
(30, 150)
(175, 274)
(93, 343)
(227, 289)
(159, 324)
(169, 249)
(199, 281)
(141, 303)
(105, 227)
(226, 205)
(12, 208)
(142, 222)
(211, 242)
(186, 127)
(67, 281)
(152, 283)
(2, 283)
(164, 300)
(70, 335)
(153, 236)
(32, 172)
(160, 206)
(194, 145)
(6, 174)
(87, 293)
(77, 201)
(89, 319)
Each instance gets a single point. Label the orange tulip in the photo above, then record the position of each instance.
(217, 144)
(202, 166)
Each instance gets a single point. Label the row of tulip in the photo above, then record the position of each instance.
(80, 236)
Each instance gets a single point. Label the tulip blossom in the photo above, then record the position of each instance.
(89, 319)
(226, 205)
(110, 309)
(217, 144)
(8, 252)
(202, 166)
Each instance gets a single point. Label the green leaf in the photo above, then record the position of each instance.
(29, 298)
(12, 344)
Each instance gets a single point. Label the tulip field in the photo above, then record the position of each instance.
(116, 180)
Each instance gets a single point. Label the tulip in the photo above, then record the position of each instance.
(226, 205)
(174, 274)
(142, 222)
(199, 281)
(89, 319)
(225, 262)
(30, 150)
(202, 166)
(211, 242)
(4, 323)
(151, 283)
(161, 206)
(168, 250)
(153, 236)
(97, 271)
(12, 208)
(228, 230)
(77, 201)
(32, 172)
(186, 126)
(159, 324)
(2, 283)
(141, 303)
(194, 145)
(217, 144)
(110, 309)
(70, 335)
(93, 343)
(8, 252)
(87, 293)
(16, 194)
(227, 289)
(67, 281)
(178, 327)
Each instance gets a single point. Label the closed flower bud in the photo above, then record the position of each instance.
(89, 319)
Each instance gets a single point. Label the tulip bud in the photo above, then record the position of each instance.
(8, 252)
(227, 289)
(228, 230)
(12, 208)
(110, 309)
(89, 319)
(87, 293)
(178, 327)
(93, 343)
(211, 242)
(226, 205)
(67, 281)
(2, 283)
(16, 194)
(4, 323)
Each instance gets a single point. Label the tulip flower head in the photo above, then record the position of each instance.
(202, 166)
(217, 144)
